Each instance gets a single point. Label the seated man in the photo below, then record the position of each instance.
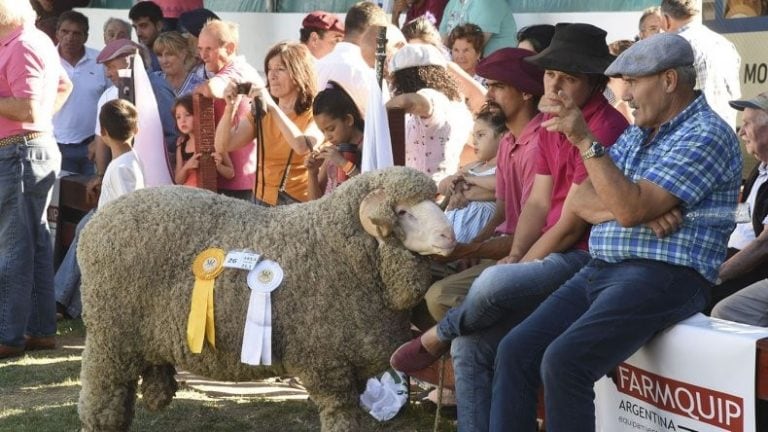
(680, 157)
(746, 267)
(745, 248)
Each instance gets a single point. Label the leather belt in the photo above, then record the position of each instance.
(18, 139)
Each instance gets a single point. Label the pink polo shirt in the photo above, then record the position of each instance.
(243, 159)
(561, 160)
(29, 69)
(515, 170)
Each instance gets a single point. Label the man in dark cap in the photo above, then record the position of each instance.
(679, 157)
(547, 249)
(320, 32)
(114, 56)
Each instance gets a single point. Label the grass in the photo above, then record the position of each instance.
(39, 391)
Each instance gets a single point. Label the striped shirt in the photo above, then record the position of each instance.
(695, 157)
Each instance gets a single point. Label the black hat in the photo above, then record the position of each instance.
(193, 21)
(575, 48)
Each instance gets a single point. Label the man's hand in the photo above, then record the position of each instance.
(509, 259)
(567, 119)
(667, 223)
(93, 188)
(457, 200)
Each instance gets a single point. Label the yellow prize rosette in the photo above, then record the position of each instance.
(207, 266)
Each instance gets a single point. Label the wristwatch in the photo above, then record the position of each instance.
(595, 150)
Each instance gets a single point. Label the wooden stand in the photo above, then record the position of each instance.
(205, 131)
(396, 119)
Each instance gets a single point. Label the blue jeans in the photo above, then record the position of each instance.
(67, 280)
(27, 174)
(74, 158)
(596, 320)
(501, 297)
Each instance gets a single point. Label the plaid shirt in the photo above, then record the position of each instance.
(695, 156)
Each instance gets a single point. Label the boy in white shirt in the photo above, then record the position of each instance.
(123, 175)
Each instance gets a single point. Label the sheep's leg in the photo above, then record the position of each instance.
(335, 391)
(108, 394)
(158, 386)
(338, 414)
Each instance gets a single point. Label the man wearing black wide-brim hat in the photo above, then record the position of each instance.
(547, 249)
(648, 271)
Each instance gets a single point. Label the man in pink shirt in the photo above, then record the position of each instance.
(217, 46)
(514, 88)
(32, 87)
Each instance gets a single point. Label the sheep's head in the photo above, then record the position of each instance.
(420, 225)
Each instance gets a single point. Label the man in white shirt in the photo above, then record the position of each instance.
(716, 61)
(73, 125)
(345, 64)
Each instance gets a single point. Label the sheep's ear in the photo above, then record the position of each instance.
(375, 217)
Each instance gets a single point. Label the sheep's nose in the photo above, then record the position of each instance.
(447, 235)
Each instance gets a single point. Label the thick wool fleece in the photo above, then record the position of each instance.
(339, 313)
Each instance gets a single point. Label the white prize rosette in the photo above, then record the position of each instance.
(257, 337)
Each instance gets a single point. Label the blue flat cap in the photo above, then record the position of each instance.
(652, 55)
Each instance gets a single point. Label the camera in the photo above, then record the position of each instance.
(244, 88)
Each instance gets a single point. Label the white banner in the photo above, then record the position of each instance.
(696, 376)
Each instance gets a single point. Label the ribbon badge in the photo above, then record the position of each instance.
(200, 325)
(257, 336)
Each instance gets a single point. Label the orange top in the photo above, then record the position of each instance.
(272, 162)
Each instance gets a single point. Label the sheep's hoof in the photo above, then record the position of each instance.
(158, 386)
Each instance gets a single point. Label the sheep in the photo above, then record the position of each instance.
(341, 310)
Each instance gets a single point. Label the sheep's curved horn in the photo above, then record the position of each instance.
(374, 222)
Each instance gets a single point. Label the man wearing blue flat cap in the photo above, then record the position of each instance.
(651, 266)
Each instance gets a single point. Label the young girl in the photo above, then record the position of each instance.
(341, 123)
(471, 191)
(187, 161)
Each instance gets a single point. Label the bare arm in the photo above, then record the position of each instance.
(17, 109)
(227, 138)
(224, 165)
(102, 154)
(62, 91)
(584, 203)
(562, 236)
(532, 218)
(487, 182)
(468, 86)
(490, 228)
(412, 103)
(317, 175)
(302, 142)
(747, 259)
(478, 193)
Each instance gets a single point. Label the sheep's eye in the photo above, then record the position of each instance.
(402, 212)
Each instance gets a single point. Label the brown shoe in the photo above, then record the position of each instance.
(7, 351)
(34, 343)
